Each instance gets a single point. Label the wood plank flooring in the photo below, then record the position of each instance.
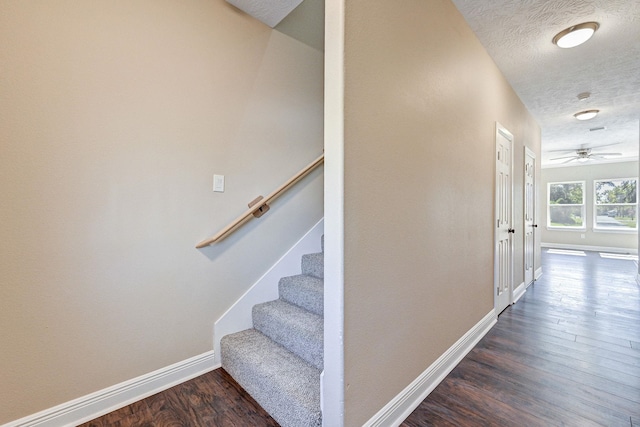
(212, 399)
(567, 354)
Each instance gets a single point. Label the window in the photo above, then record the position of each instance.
(616, 205)
(566, 205)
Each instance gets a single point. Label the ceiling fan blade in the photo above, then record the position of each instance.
(607, 154)
(599, 157)
(562, 151)
(565, 157)
(570, 160)
(603, 145)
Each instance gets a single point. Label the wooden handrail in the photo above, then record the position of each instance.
(257, 207)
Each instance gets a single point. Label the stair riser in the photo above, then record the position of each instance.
(304, 291)
(313, 265)
(302, 337)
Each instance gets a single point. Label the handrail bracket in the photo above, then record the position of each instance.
(262, 209)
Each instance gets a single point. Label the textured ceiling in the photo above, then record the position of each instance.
(517, 34)
(301, 19)
(271, 12)
(306, 24)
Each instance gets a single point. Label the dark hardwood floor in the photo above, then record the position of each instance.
(567, 354)
(212, 399)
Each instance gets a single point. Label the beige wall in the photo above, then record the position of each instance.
(113, 118)
(421, 101)
(587, 173)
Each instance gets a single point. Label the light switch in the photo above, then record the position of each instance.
(218, 183)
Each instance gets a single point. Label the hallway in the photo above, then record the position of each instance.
(567, 353)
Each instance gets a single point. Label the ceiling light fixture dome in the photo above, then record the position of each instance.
(584, 95)
(576, 35)
(586, 115)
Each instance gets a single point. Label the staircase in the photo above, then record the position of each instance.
(279, 361)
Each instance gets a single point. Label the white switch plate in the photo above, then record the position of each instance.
(218, 183)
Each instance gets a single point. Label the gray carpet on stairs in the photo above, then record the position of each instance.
(279, 361)
(304, 291)
(313, 265)
(295, 328)
(286, 386)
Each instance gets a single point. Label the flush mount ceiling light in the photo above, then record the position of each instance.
(584, 95)
(576, 35)
(586, 115)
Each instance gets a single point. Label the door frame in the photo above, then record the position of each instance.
(534, 200)
(502, 131)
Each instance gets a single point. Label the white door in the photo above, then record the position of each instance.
(529, 215)
(503, 257)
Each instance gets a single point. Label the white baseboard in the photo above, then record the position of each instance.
(238, 316)
(590, 248)
(538, 273)
(120, 395)
(401, 406)
(518, 292)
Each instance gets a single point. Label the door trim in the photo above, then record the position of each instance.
(502, 131)
(534, 200)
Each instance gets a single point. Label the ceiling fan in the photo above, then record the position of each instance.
(584, 154)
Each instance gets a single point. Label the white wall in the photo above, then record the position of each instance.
(114, 116)
(587, 173)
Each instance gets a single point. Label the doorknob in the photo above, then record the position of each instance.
(511, 230)
(534, 225)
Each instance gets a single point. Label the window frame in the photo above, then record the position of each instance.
(583, 207)
(596, 227)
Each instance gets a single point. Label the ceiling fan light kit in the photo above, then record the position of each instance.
(586, 115)
(575, 35)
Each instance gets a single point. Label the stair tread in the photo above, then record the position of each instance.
(281, 382)
(304, 291)
(295, 328)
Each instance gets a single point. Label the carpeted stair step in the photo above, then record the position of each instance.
(313, 264)
(304, 291)
(286, 386)
(295, 328)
